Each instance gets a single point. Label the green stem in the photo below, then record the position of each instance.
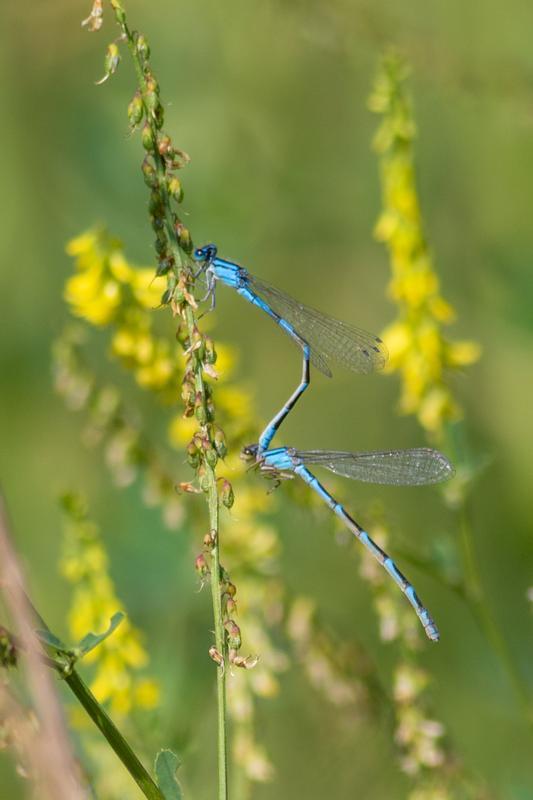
(113, 736)
(181, 261)
(220, 639)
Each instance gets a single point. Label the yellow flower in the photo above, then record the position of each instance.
(119, 657)
(418, 348)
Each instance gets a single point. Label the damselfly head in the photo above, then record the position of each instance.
(249, 453)
(205, 253)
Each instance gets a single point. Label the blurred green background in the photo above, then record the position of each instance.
(269, 99)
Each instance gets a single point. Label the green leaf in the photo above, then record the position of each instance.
(92, 640)
(166, 764)
(50, 640)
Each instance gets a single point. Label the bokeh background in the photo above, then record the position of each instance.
(270, 101)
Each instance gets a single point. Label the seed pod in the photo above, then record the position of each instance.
(155, 204)
(203, 479)
(160, 244)
(187, 392)
(216, 656)
(147, 137)
(228, 498)
(231, 606)
(149, 173)
(184, 237)
(200, 565)
(211, 457)
(175, 189)
(143, 48)
(151, 95)
(120, 14)
(164, 145)
(234, 634)
(135, 110)
(219, 441)
(199, 409)
(159, 116)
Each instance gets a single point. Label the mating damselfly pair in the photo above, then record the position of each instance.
(323, 339)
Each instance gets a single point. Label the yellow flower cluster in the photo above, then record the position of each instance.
(119, 658)
(107, 290)
(417, 346)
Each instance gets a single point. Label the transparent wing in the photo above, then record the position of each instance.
(414, 467)
(328, 338)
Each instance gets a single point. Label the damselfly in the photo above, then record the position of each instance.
(321, 338)
(415, 467)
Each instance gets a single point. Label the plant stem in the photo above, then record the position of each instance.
(107, 727)
(181, 262)
(219, 639)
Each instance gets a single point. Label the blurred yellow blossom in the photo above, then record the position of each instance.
(417, 346)
(118, 658)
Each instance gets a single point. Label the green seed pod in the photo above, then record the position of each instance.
(151, 95)
(203, 479)
(163, 266)
(120, 14)
(210, 352)
(182, 336)
(199, 410)
(112, 58)
(147, 137)
(228, 498)
(159, 116)
(166, 297)
(155, 204)
(160, 245)
(193, 456)
(135, 110)
(143, 48)
(175, 189)
(184, 237)
(211, 458)
(219, 441)
(149, 173)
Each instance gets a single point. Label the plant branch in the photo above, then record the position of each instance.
(175, 245)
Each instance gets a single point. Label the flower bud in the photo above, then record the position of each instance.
(210, 352)
(135, 110)
(234, 634)
(216, 656)
(231, 605)
(149, 173)
(184, 236)
(211, 457)
(187, 392)
(203, 479)
(151, 94)
(120, 14)
(200, 413)
(164, 145)
(147, 137)
(142, 47)
(228, 498)
(160, 245)
(200, 565)
(159, 116)
(219, 441)
(193, 457)
(175, 189)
